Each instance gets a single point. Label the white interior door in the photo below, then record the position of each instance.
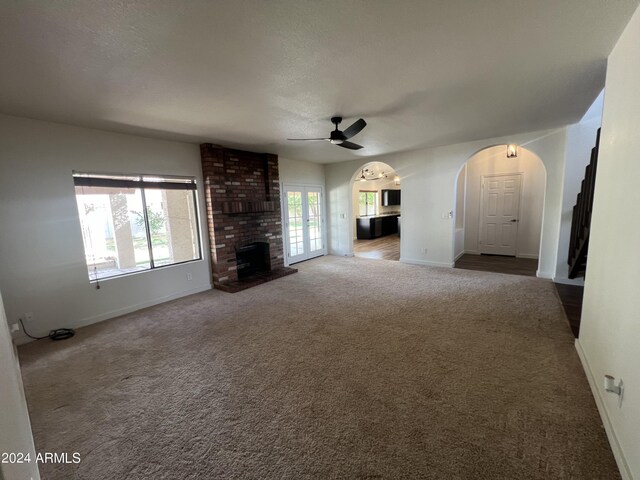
(500, 210)
(304, 222)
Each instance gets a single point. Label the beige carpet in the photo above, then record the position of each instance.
(351, 368)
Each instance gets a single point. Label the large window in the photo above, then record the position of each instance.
(132, 223)
(368, 203)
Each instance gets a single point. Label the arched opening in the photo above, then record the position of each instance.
(498, 213)
(375, 221)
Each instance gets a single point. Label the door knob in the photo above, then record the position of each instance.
(514, 220)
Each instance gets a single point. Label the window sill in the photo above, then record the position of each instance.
(146, 270)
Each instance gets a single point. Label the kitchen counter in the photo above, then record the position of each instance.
(374, 226)
(397, 214)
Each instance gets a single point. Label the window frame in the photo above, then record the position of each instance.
(374, 204)
(137, 181)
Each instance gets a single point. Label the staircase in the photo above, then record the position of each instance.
(581, 222)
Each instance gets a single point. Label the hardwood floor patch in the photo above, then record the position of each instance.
(498, 264)
(386, 248)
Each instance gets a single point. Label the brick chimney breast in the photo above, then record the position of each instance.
(242, 192)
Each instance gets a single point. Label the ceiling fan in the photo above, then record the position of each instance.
(339, 137)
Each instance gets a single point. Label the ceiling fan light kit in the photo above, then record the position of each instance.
(340, 138)
(367, 175)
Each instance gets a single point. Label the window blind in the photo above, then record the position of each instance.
(141, 181)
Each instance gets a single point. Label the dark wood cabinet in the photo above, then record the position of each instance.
(364, 230)
(377, 227)
(390, 198)
(374, 227)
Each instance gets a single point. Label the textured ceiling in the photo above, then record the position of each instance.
(251, 73)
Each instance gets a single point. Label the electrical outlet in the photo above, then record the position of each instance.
(28, 317)
(189, 276)
(424, 249)
(15, 327)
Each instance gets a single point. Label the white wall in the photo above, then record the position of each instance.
(428, 179)
(493, 161)
(581, 138)
(15, 427)
(42, 265)
(610, 329)
(296, 172)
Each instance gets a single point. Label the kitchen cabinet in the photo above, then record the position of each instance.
(378, 226)
(390, 197)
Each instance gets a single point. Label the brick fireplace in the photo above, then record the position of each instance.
(242, 191)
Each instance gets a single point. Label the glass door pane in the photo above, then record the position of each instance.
(303, 222)
(295, 223)
(314, 221)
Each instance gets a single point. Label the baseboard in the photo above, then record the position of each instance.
(623, 466)
(547, 275)
(21, 339)
(425, 262)
(340, 253)
(140, 306)
(569, 281)
(533, 256)
(457, 257)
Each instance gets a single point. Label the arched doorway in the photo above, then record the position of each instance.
(498, 214)
(375, 212)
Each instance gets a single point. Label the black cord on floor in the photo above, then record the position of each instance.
(59, 334)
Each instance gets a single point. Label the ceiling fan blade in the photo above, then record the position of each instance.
(354, 129)
(306, 139)
(350, 145)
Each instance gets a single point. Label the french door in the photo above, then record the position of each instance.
(303, 222)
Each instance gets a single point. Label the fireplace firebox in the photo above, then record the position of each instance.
(252, 259)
